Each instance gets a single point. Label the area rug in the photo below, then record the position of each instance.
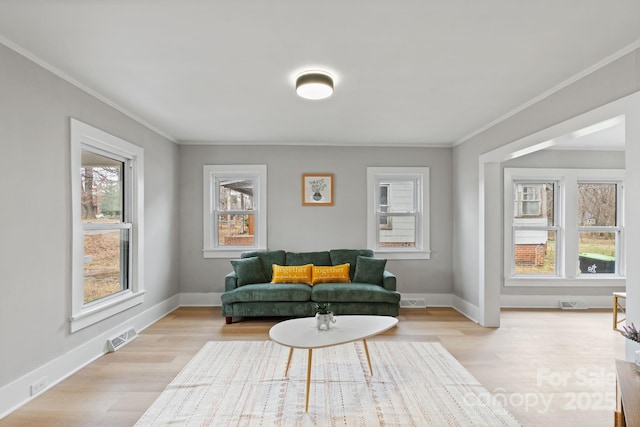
(242, 383)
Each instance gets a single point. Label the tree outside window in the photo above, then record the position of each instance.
(598, 229)
(106, 235)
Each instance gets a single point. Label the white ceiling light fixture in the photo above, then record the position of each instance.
(314, 85)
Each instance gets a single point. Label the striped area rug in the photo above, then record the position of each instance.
(242, 383)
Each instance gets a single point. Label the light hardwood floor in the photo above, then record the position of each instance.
(549, 367)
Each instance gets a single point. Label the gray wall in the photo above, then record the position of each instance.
(614, 81)
(294, 227)
(569, 159)
(35, 249)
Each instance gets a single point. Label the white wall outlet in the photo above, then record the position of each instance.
(39, 386)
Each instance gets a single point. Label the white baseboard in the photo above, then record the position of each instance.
(472, 312)
(212, 299)
(447, 300)
(18, 392)
(431, 300)
(553, 301)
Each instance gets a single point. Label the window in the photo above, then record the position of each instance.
(107, 212)
(397, 222)
(235, 209)
(599, 231)
(535, 230)
(563, 224)
(107, 233)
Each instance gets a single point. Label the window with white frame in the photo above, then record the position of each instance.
(599, 226)
(235, 209)
(107, 216)
(398, 214)
(563, 224)
(535, 227)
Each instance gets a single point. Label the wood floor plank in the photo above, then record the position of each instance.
(549, 367)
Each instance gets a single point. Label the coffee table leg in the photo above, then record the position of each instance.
(366, 351)
(306, 405)
(286, 371)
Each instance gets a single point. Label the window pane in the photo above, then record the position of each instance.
(535, 252)
(235, 194)
(385, 221)
(534, 200)
(101, 188)
(397, 196)
(597, 252)
(104, 253)
(236, 230)
(597, 205)
(400, 196)
(530, 208)
(401, 235)
(384, 195)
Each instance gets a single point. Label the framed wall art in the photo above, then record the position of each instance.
(317, 189)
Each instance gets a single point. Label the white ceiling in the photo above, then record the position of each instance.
(408, 72)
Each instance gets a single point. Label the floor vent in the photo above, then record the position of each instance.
(413, 303)
(572, 305)
(124, 338)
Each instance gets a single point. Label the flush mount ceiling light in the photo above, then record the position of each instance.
(314, 85)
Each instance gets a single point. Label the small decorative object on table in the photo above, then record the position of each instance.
(632, 333)
(323, 315)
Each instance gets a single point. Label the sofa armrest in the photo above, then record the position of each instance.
(230, 281)
(389, 281)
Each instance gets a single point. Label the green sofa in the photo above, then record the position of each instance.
(249, 293)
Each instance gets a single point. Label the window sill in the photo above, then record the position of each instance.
(228, 253)
(556, 282)
(399, 254)
(95, 313)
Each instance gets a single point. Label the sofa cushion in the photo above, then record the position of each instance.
(248, 270)
(267, 258)
(369, 270)
(268, 292)
(302, 258)
(330, 274)
(353, 292)
(291, 273)
(343, 256)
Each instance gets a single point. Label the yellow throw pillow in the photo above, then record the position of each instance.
(292, 273)
(330, 274)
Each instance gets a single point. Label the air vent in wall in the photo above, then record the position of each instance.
(413, 303)
(124, 338)
(572, 305)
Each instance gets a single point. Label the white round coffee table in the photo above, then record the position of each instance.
(302, 333)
